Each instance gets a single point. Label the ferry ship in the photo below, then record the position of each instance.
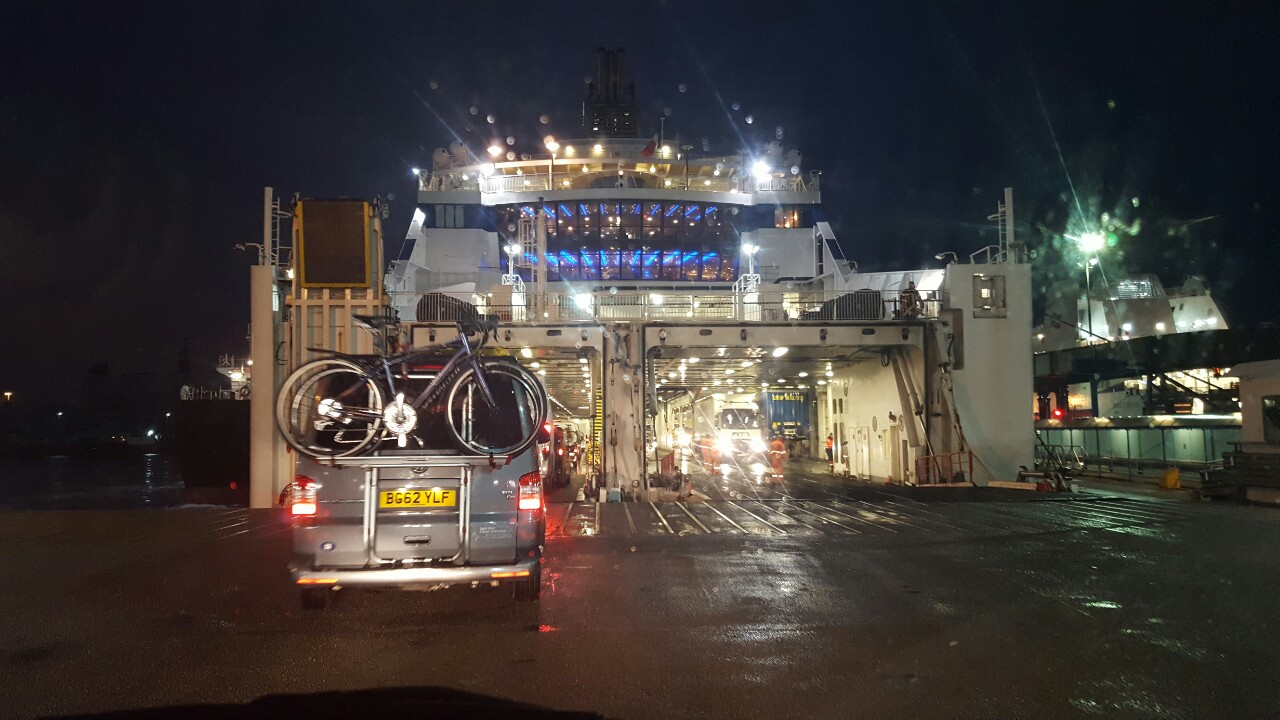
(651, 283)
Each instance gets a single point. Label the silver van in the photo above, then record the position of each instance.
(418, 519)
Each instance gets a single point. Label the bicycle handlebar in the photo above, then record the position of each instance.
(485, 325)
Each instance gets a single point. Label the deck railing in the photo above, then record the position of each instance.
(704, 305)
(544, 181)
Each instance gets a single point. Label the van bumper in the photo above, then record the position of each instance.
(413, 576)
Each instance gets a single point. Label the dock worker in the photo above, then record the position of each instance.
(830, 450)
(909, 302)
(777, 456)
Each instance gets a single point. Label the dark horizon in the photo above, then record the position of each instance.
(138, 139)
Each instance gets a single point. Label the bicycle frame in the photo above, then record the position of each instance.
(464, 354)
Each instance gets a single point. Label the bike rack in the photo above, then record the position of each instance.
(416, 460)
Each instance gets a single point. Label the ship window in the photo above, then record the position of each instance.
(631, 265)
(449, 216)
(650, 266)
(590, 266)
(691, 266)
(671, 265)
(553, 267)
(988, 296)
(609, 264)
(786, 217)
(727, 270)
(568, 265)
(1271, 419)
(710, 266)
(652, 215)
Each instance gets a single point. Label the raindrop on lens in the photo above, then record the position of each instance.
(434, 85)
(475, 110)
(750, 119)
(666, 111)
(684, 88)
(511, 227)
(544, 119)
(511, 140)
(737, 107)
(778, 132)
(491, 119)
(795, 169)
(511, 156)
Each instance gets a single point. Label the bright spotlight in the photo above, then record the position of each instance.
(526, 352)
(779, 351)
(750, 249)
(761, 170)
(495, 150)
(1092, 242)
(582, 301)
(416, 171)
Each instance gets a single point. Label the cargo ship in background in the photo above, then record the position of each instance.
(210, 439)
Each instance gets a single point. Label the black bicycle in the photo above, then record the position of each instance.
(343, 405)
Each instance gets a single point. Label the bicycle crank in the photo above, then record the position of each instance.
(400, 419)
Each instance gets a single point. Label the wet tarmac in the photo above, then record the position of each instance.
(819, 598)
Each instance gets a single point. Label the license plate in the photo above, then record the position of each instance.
(418, 498)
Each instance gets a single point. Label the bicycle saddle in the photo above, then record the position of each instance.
(373, 322)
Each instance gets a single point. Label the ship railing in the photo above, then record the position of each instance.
(704, 304)
(200, 392)
(674, 180)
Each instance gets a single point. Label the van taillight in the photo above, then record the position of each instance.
(531, 490)
(303, 499)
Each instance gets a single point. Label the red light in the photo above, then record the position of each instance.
(530, 491)
(1057, 412)
(303, 501)
(547, 427)
(560, 452)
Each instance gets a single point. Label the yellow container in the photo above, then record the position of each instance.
(1170, 480)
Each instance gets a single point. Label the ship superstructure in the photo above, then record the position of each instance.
(649, 285)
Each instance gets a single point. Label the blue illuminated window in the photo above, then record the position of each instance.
(691, 266)
(651, 268)
(590, 267)
(568, 265)
(710, 266)
(631, 265)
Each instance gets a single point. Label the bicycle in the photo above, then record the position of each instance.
(343, 405)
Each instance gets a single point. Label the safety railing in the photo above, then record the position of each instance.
(947, 469)
(1053, 456)
(571, 178)
(723, 306)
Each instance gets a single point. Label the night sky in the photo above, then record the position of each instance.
(136, 138)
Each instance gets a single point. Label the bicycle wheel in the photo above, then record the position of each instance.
(506, 428)
(330, 409)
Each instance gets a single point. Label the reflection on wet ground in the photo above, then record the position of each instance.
(838, 600)
(102, 482)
